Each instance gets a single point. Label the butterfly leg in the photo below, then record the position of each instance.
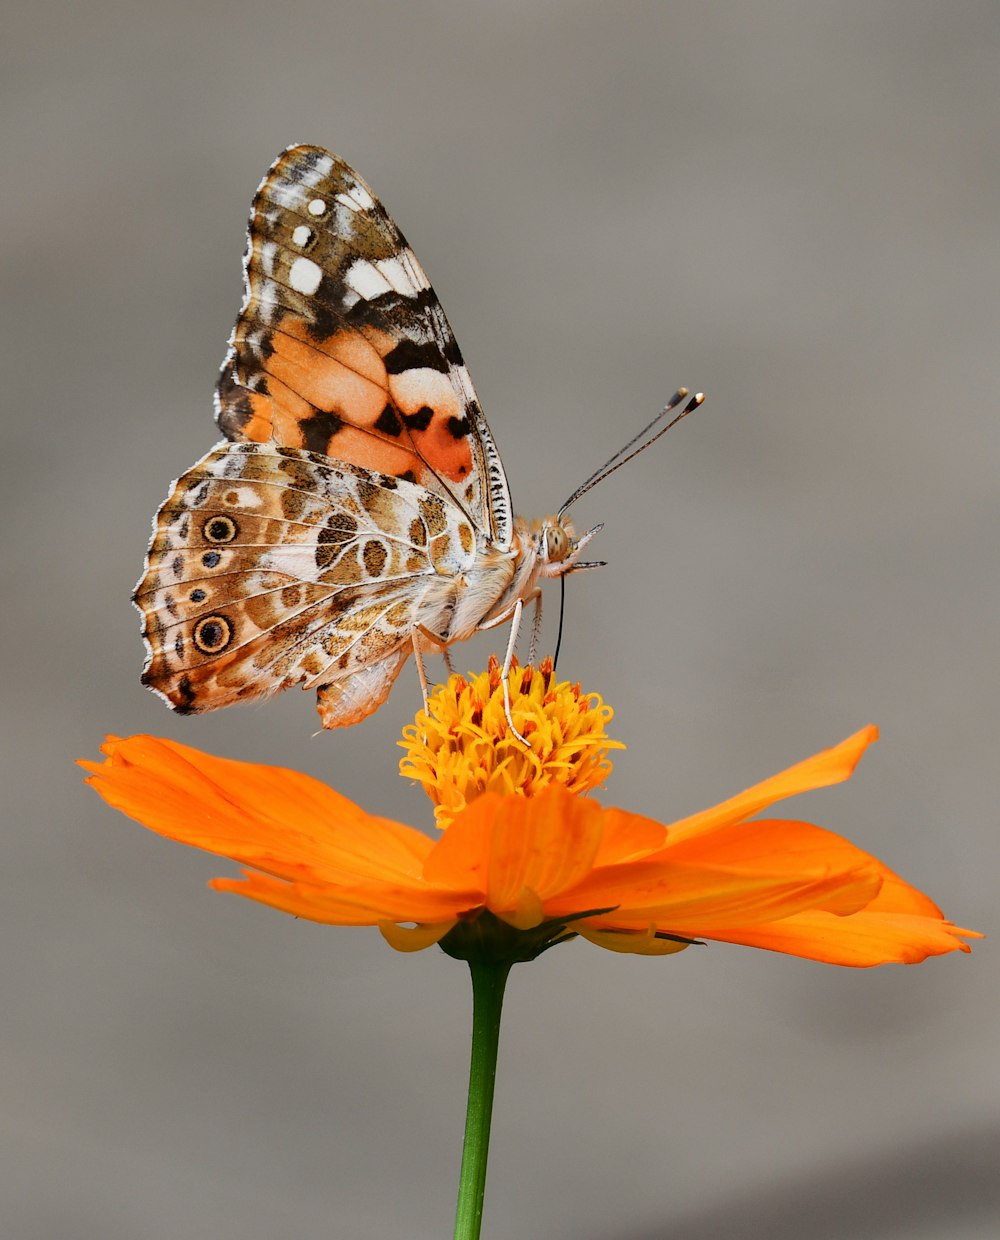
(536, 627)
(433, 639)
(421, 672)
(515, 624)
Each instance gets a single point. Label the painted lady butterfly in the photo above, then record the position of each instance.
(357, 509)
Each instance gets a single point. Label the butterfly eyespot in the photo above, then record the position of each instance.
(212, 634)
(197, 596)
(211, 559)
(220, 530)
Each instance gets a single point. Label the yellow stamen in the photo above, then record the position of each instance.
(461, 745)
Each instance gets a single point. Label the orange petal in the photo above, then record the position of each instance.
(349, 905)
(865, 939)
(547, 844)
(519, 851)
(831, 766)
(274, 819)
(628, 837)
(706, 900)
(898, 924)
(746, 874)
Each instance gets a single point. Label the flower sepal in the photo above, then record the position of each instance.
(486, 937)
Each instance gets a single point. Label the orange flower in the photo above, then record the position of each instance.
(537, 862)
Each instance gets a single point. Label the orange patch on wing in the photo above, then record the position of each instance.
(260, 427)
(346, 378)
(345, 375)
(372, 451)
(418, 389)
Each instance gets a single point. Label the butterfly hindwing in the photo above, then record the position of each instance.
(272, 566)
(342, 347)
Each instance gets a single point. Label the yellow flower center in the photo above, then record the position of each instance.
(461, 745)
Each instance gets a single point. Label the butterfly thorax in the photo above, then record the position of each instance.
(486, 592)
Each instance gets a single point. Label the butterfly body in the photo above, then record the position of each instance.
(358, 510)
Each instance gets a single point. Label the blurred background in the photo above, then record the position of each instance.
(793, 206)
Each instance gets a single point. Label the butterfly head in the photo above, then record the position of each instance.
(558, 547)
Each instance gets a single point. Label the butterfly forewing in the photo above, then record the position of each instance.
(342, 347)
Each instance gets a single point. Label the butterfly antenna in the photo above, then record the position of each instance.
(638, 443)
(562, 615)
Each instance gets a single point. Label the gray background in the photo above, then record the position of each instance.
(793, 206)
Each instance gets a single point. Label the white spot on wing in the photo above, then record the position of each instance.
(302, 235)
(356, 198)
(366, 279)
(402, 276)
(304, 276)
(316, 207)
(362, 197)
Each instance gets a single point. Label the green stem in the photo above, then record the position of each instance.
(489, 977)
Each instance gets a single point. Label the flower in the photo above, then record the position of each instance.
(526, 857)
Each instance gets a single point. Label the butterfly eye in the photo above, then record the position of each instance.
(556, 544)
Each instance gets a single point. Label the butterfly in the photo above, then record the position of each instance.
(357, 510)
